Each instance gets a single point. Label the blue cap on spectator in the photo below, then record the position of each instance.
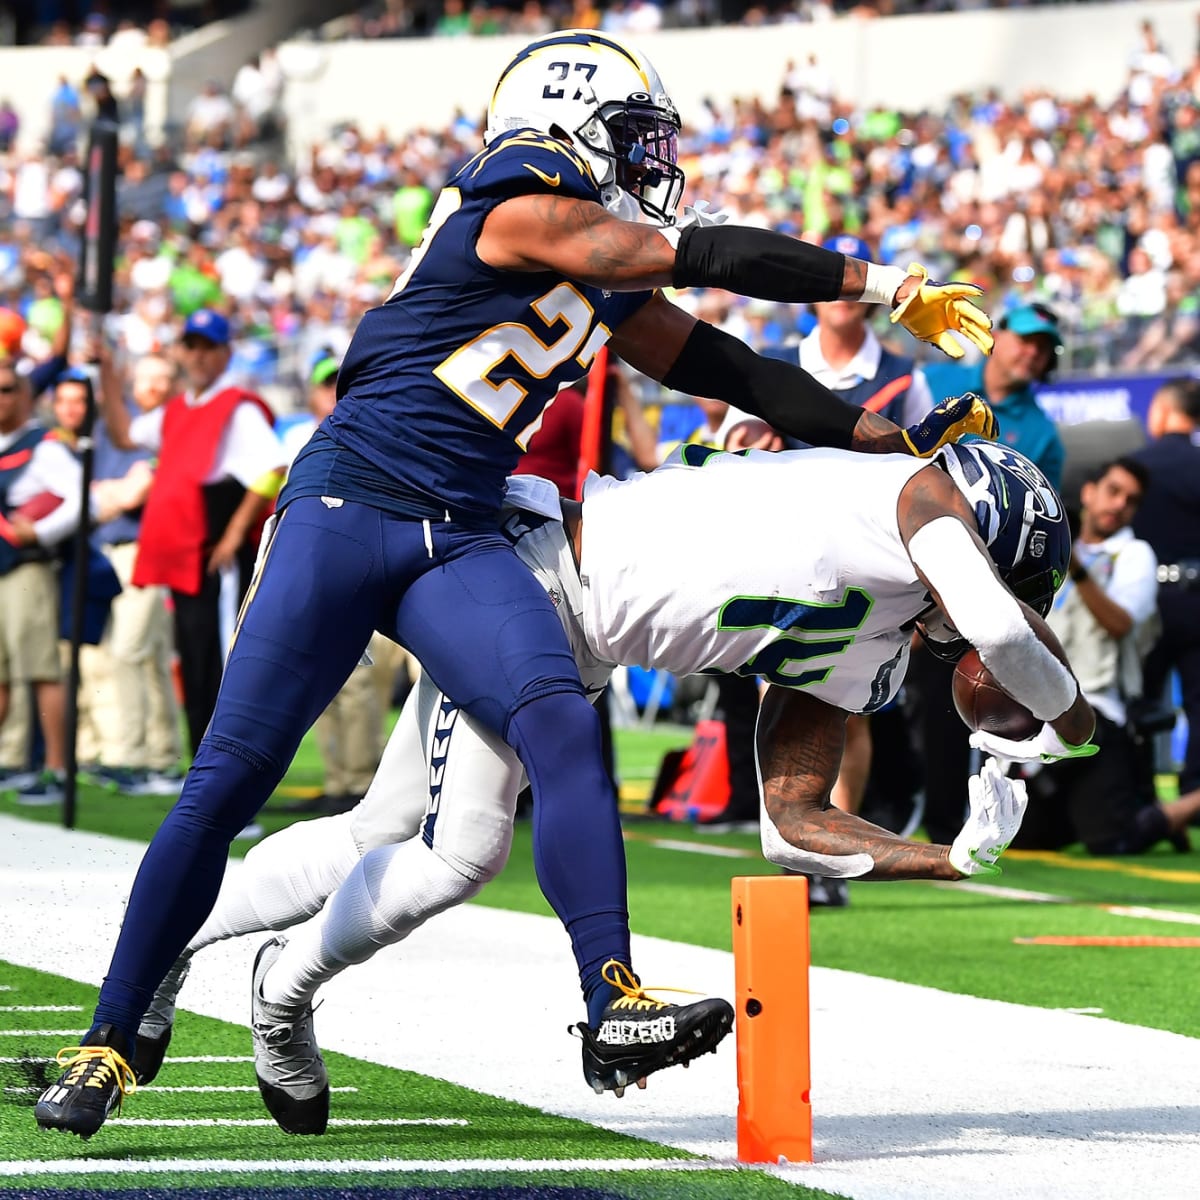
(850, 246)
(206, 323)
(1031, 319)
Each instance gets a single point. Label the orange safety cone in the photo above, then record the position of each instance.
(771, 960)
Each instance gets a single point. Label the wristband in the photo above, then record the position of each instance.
(882, 284)
(1079, 574)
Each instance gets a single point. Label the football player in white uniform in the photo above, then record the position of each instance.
(809, 569)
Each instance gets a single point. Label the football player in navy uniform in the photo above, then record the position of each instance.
(553, 240)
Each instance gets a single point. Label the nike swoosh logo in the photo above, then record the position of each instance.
(551, 180)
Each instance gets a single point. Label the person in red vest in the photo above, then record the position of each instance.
(220, 466)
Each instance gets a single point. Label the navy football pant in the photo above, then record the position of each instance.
(486, 633)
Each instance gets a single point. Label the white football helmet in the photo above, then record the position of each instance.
(609, 102)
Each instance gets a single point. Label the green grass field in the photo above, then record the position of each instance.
(959, 939)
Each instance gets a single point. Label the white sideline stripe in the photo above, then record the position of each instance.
(697, 848)
(1140, 912)
(57, 1033)
(211, 1089)
(1002, 893)
(390, 1166)
(16, 1008)
(270, 1123)
(1156, 914)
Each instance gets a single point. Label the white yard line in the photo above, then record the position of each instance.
(918, 1094)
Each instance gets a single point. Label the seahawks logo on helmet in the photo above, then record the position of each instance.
(1019, 515)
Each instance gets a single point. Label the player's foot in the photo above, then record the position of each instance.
(45, 790)
(827, 892)
(287, 1060)
(639, 1035)
(96, 1077)
(154, 1033)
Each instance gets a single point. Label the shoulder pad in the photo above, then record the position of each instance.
(528, 161)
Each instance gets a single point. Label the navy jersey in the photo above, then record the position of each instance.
(445, 383)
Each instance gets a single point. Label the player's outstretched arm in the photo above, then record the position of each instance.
(581, 240)
(691, 356)
(799, 746)
(1017, 646)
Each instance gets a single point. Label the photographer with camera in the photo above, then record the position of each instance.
(1106, 618)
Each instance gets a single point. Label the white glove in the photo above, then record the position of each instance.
(699, 215)
(1045, 746)
(997, 805)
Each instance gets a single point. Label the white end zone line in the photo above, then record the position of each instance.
(193, 1059)
(271, 1123)
(37, 1008)
(198, 1089)
(391, 1166)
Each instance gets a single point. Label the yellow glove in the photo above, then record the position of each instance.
(951, 421)
(934, 309)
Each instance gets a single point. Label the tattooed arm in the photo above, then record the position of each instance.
(799, 745)
(583, 241)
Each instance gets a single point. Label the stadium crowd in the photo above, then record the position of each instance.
(1091, 208)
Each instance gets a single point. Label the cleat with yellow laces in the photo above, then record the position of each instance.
(97, 1076)
(639, 1035)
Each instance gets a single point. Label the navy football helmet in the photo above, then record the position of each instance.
(1020, 518)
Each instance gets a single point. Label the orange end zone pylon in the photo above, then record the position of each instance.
(771, 956)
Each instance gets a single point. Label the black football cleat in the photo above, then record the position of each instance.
(291, 1073)
(639, 1035)
(97, 1076)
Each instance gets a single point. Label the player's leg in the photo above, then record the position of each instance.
(468, 780)
(312, 612)
(487, 634)
(287, 877)
(463, 781)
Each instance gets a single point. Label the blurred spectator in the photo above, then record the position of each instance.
(844, 354)
(66, 117)
(1169, 519)
(132, 695)
(411, 206)
(40, 503)
(1028, 341)
(210, 115)
(220, 467)
(10, 126)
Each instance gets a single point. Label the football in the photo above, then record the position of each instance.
(984, 705)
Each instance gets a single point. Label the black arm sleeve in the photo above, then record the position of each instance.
(759, 263)
(715, 365)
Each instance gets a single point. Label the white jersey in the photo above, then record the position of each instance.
(789, 566)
